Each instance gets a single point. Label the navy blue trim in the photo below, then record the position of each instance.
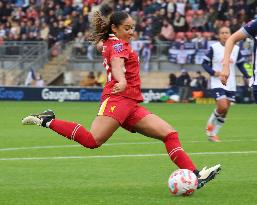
(254, 57)
(207, 66)
(242, 69)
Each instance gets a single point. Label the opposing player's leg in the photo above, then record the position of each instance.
(102, 128)
(217, 118)
(153, 126)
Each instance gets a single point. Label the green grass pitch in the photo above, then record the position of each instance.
(38, 167)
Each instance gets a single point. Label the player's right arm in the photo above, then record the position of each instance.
(207, 63)
(230, 43)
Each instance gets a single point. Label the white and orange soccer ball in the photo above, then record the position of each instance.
(182, 182)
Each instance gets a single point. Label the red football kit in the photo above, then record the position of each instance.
(113, 47)
(122, 106)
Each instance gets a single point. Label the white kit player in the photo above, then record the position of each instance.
(223, 94)
(249, 30)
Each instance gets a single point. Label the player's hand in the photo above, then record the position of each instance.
(224, 74)
(119, 87)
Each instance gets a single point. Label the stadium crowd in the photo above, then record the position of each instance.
(158, 20)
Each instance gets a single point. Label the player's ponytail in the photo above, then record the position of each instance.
(101, 27)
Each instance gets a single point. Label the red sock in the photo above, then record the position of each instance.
(74, 131)
(176, 152)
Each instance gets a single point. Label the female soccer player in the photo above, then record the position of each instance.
(249, 30)
(223, 95)
(120, 99)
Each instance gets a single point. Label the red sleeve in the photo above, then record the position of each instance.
(119, 49)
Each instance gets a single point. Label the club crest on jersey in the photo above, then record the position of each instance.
(118, 47)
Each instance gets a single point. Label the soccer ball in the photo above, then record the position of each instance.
(182, 182)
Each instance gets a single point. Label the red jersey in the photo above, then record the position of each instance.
(114, 47)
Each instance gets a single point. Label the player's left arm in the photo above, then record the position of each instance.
(118, 73)
(240, 64)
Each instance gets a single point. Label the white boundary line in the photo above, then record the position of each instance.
(122, 156)
(116, 144)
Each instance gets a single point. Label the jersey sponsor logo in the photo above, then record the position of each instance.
(118, 47)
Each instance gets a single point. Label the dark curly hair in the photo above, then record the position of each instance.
(101, 26)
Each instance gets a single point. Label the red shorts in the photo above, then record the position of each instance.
(126, 111)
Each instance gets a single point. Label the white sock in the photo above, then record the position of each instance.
(213, 118)
(218, 124)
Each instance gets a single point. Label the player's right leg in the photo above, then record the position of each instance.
(102, 128)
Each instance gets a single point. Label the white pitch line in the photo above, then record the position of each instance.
(68, 146)
(122, 156)
(115, 144)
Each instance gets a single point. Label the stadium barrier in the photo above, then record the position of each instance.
(82, 94)
(62, 94)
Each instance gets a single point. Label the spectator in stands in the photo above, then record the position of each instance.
(182, 55)
(172, 80)
(44, 32)
(211, 16)
(199, 82)
(242, 17)
(171, 8)
(183, 83)
(3, 33)
(79, 44)
(72, 17)
(199, 21)
(31, 76)
(221, 6)
(146, 55)
(148, 29)
(199, 40)
(53, 34)
(179, 22)
(181, 6)
(89, 80)
(234, 25)
(167, 31)
(38, 82)
(100, 79)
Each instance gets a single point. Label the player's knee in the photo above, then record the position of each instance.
(171, 136)
(222, 110)
(89, 141)
(93, 146)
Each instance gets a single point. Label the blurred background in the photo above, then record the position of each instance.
(45, 52)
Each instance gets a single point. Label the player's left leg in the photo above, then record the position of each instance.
(221, 111)
(153, 126)
(217, 118)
